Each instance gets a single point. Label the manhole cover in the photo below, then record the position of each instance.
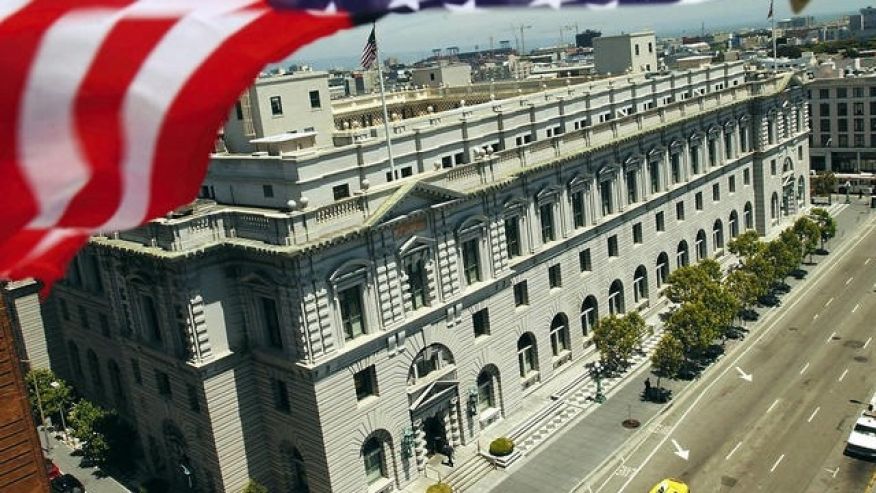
(728, 481)
(854, 344)
(631, 423)
(862, 359)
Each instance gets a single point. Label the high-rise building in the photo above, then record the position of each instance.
(585, 39)
(843, 113)
(324, 322)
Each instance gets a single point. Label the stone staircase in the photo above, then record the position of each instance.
(469, 473)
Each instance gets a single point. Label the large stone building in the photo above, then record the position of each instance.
(322, 319)
(843, 123)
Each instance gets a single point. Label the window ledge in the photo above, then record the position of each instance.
(564, 357)
(367, 401)
(489, 416)
(381, 485)
(530, 379)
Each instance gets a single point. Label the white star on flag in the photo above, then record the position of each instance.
(410, 4)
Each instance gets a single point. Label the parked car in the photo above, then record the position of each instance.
(670, 485)
(66, 483)
(52, 469)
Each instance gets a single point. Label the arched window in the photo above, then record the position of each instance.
(559, 334)
(700, 246)
(589, 314)
(774, 206)
(616, 298)
(662, 269)
(374, 458)
(640, 284)
(432, 359)
(487, 388)
(527, 357)
(747, 216)
(788, 165)
(682, 257)
(118, 388)
(94, 368)
(734, 224)
(295, 473)
(718, 235)
(75, 360)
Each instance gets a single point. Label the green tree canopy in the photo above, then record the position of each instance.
(826, 223)
(686, 283)
(617, 337)
(809, 233)
(745, 286)
(823, 183)
(254, 486)
(746, 245)
(54, 398)
(667, 358)
(692, 325)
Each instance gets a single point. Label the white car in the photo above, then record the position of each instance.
(862, 440)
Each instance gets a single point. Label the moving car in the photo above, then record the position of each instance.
(66, 483)
(670, 485)
(862, 440)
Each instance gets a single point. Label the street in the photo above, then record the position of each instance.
(90, 477)
(811, 368)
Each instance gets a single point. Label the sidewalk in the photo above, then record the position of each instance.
(91, 477)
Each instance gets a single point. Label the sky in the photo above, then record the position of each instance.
(413, 36)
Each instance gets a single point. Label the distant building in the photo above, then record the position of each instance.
(692, 62)
(585, 39)
(443, 75)
(28, 331)
(633, 53)
(843, 123)
(865, 20)
(796, 22)
(297, 103)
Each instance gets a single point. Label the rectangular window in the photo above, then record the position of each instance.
(728, 146)
(824, 109)
(612, 246)
(268, 191)
(632, 188)
(65, 309)
(841, 92)
(315, 103)
(447, 162)
(480, 322)
(713, 152)
(773, 167)
(873, 108)
(637, 233)
(858, 109)
(584, 260)
(271, 319)
(743, 140)
(366, 383)
(858, 92)
(695, 159)
(546, 214)
(746, 176)
(859, 124)
(407, 171)
(698, 201)
(824, 124)
(659, 222)
(731, 184)
(842, 109)
(823, 94)
(471, 261)
(675, 164)
(281, 396)
(679, 211)
(83, 318)
(194, 401)
(238, 110)
(162, 382)
(654, 171)
(605, 196)
(578, 209)
(555, 276)
(521, 294)
(104, 325)
(859, 140)
(716, 192)
(843, 141)
(459, 158)
(512, 236)
(418, 284)
(276, 106)
(341, 191)
(843, 125)
(150, 315)
(135, 369)
(352, 318)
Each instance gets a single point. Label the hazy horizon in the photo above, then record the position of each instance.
(413, 36)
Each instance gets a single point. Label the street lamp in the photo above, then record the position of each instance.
(56, 386)
(42, 416)
(599, 398)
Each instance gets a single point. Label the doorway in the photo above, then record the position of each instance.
(436, 434)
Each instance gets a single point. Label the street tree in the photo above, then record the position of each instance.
(763, 271)
(254, 486)
(637, 328)
(744, 286)
(691, 325)
(54, 398)
(824, 183)
(721, 305)
(87, 421)
(826, 224)
(616, 338)
(785, 253)
(809, 233)
(686, 283)
(746, 245)
(667, 358)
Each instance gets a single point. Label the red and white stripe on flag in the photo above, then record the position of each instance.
(110, 109)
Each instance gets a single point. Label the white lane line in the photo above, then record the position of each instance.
(830, 338)
(846, 372)
(812, 416)
(867, 261)
(805, 368)
(733, 451)
(778, 461)
(869, 340)
(773, 405)
(856, 308)
(849, 280)
(828, 303)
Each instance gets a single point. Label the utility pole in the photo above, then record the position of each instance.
(521, 27)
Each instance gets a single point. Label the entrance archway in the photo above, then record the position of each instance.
(436, 434)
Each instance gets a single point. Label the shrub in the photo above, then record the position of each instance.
(501, 447)
(439, 488)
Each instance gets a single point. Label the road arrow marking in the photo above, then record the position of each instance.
(745, 376)
(684, 454)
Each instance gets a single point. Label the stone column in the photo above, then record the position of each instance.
(451, 422)
(420, 445)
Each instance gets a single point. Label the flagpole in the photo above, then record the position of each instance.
(383, 101)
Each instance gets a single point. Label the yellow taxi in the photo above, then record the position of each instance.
(670, 485)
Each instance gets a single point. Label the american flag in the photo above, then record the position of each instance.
(770, 13)
(110, 108)
(369, 53)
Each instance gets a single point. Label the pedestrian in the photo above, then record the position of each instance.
(448, 452)
(647, 385)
